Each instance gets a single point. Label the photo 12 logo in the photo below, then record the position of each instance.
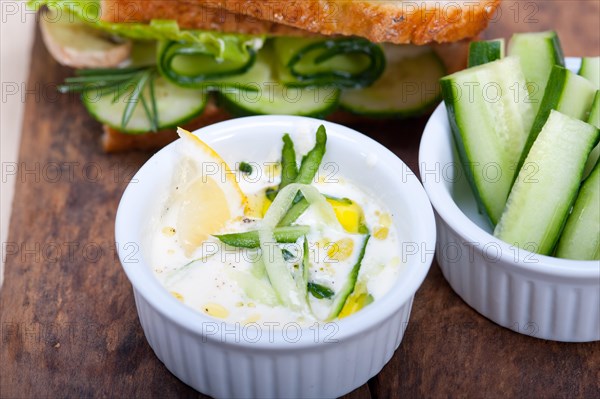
(269, 331)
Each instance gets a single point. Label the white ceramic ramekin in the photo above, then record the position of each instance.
(227, 360)
(536, 295)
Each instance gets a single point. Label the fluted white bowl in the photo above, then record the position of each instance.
(536, 295)
(227, 360)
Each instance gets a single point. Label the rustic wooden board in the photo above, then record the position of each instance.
(68, 321)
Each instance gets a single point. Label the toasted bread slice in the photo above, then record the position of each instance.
(191, 14)
(397, 22)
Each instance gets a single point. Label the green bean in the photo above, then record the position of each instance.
(308, 169)
(312, 160)
(249, 239)
(289, 169)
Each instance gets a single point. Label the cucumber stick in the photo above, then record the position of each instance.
(408, 87)
(546, 187)
(594, 120)
(590, 69)
(490, 118)
(174, 106)
(581, 237)
(567, 93)
(538, 53)
(482, 52)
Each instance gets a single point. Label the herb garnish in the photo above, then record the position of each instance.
(246, 168)
(128, 82)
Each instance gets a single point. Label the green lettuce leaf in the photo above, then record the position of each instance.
(223, 46)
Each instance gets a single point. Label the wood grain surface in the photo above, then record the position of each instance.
(69, 326)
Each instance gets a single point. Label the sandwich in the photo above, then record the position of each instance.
(144, 67)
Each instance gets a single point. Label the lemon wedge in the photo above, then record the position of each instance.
(210, 200)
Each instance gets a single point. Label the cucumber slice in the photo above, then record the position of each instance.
(273, 98)
(267, 96)
(581, 237)
(485, 51)
(567, 93)
(270, 97)
(590, 69)
(343, 62)
(490, 119)
(538, 53)
(408, 87)
(342, 296)
(189, 70)
(594, 120)
(544, 191)
(256, 289)
(174, 105)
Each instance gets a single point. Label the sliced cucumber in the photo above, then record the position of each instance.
(546, 187)
(490, 119)
(187, 68)
(538, 53)
(267, 96)
(482, 52)
(256, 289)
(581, 237)
(590, 69)
(273, 98)
(174, 105)
(408, 87)
(594, 120)
(342, 296)
(342, 62)
(567, 93)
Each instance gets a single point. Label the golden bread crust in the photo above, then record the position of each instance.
(400, 22)
(192, 15)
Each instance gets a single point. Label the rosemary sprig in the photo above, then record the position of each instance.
(153, 104)
(134, 98)
(149, 115)
(127, 84)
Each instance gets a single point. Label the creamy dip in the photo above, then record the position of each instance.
(231, 284)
